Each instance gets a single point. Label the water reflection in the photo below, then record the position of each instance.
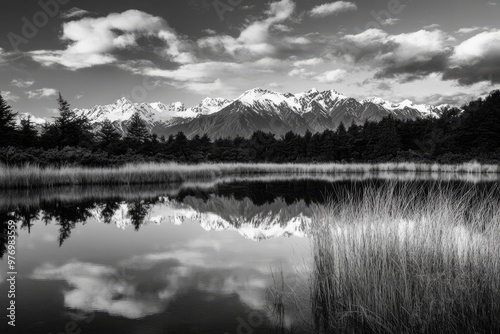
(257, 209)
(176, 274)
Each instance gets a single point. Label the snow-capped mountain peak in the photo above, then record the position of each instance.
(123, 101)
(258, 109)
(210, 105)
(266, 101)
(423, 109)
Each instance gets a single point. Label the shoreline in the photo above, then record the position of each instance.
(32, 176)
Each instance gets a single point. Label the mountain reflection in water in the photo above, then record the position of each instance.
(175, 274)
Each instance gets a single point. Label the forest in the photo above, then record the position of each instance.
(471, 132)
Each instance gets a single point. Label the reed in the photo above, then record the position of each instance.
(385, 262)
(32, 176)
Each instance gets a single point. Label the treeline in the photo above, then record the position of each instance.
(460, 135)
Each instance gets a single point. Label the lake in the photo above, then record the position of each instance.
(236, 255)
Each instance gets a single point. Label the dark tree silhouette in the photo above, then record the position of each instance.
(28, 135)
(68, 129)
(137, 129)
(108, 135)
(7, 123)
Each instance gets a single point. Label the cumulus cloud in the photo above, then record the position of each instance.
(334, 76)
(41, 93)
(92, 41)
(332, 8)
(255, 39)
(21, 83)
(9, 96)
(476, 59)
(477, 48)
(409, 56)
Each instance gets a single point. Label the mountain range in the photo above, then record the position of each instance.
(258, 109)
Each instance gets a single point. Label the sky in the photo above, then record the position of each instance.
(95, 52)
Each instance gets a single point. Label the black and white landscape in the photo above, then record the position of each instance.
(259, 110)
(168, 167)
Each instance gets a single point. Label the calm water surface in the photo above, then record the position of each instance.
(194, 258)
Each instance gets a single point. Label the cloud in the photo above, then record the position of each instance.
(275, 85)
(433, 26)
(92, 41)
(409, 56)
(255, 39)
(41, 93)
(209, 31)
(74, 12)
(455, 99)
(333, 8)
(465, 31)
(212, 64)
(308, 62)
(9, 96)
(476, 59)
(99, 288)
(3, 54)
(301, 73)
(282, 28)
(334, 76)
(214, 76)
(21, 83)
(477, 48)
(390, 21)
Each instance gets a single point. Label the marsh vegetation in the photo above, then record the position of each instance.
(403, 261)
(31, 176)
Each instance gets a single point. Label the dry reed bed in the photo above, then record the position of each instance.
(34, 176)
(389, 263)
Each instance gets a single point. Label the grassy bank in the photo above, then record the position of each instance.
(34, 176)
(393, 264)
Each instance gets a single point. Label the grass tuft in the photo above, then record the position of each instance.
(391, 262)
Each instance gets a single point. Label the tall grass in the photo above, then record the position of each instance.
(31, 176)
(387, 262)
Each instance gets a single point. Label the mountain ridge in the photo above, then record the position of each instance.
(258, 109)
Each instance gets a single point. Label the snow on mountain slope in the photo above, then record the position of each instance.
(123, 109)
(425, 110)
(258, 109)
(259, 100)
(209, 106)
(265, 100)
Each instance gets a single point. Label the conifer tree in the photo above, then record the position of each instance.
(68, 129)
(108, 134)
(7, 123)
(137, 129)
(28, 135)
